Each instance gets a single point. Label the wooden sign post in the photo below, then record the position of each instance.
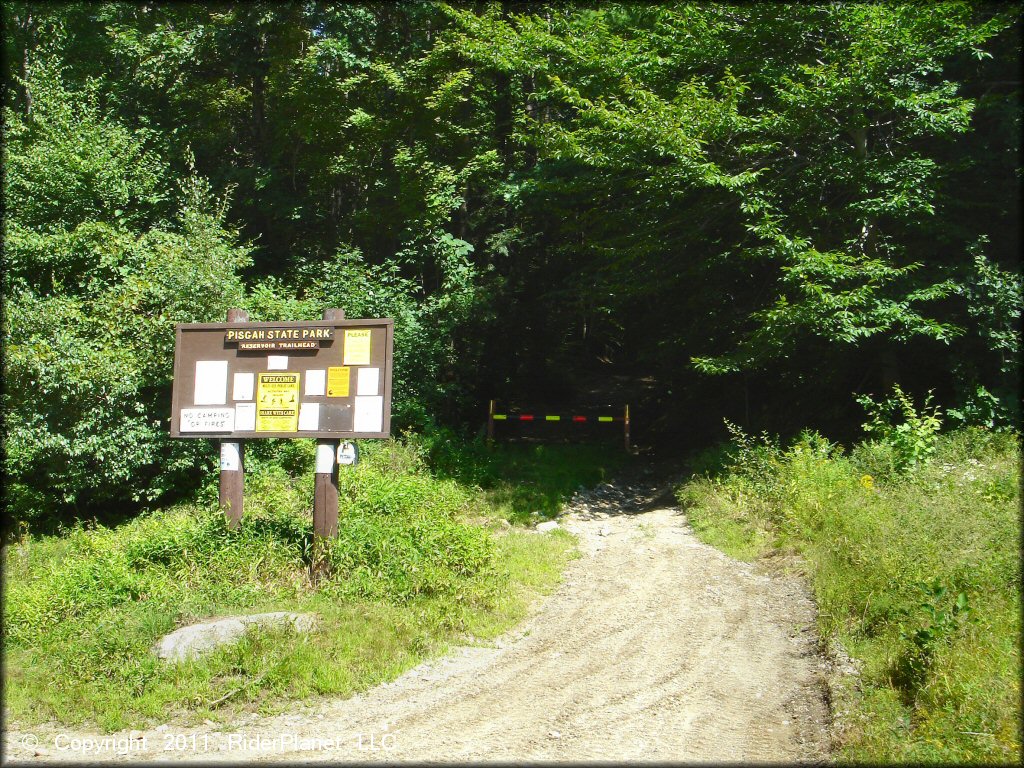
(326, 379)
(232, 456)
(325, 491)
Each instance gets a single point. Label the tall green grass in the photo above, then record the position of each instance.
(416, 565)
(917, 573)
(526, 483)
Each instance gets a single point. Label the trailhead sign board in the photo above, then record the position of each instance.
(318, 378)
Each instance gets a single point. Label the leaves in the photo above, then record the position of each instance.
(910, 432)
(795, 199)
(93, 295)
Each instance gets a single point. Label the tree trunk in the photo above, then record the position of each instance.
(860, 148)
(28, 45)
(529, 87)
(503, 118)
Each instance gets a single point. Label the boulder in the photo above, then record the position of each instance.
(197, 639)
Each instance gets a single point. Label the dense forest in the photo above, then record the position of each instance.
(761, 211)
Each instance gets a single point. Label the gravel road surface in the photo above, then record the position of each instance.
(655, 647)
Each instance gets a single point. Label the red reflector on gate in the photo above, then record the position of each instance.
(579, 418)
(526, 417)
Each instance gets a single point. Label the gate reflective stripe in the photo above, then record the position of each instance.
(531, 417)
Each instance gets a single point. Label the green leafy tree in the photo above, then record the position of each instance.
(757, 207)
(756, 187)
(103, 256)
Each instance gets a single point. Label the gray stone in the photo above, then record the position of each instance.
(196, 639)
(544, 527)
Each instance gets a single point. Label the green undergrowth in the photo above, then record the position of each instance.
(420, 562)
(526, 483)
(916, 570)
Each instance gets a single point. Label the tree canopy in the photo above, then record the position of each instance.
(764, 208)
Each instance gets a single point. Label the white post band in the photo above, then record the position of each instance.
(324, 458)
(230, 457)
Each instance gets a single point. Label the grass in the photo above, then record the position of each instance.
(917, 574)
(421, 562)
(526, 483)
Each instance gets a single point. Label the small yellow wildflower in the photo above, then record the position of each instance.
(868, 482)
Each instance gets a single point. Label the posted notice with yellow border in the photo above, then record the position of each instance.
(277, 402)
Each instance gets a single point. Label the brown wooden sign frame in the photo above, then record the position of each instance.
(307, 345)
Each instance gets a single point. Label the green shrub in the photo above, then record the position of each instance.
(402, 535)
(756, 459)
(911, 433)
(916, 573)
(105, 252)
(410, 572)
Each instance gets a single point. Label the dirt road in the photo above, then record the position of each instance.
(655, 647)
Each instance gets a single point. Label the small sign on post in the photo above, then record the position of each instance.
(348, 454)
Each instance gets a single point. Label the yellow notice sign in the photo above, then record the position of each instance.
(338, 379)
(357, 347)
(277, 402)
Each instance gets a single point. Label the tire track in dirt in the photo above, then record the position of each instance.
(654, 647)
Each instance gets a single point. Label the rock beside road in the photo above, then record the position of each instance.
(196, 639)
